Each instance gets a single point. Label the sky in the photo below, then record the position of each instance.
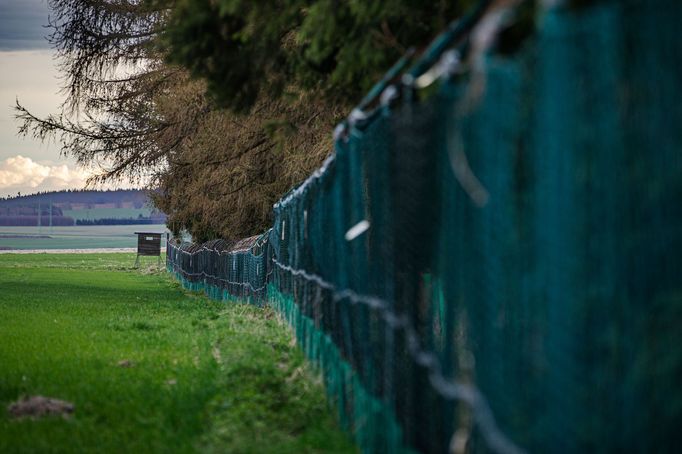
(28, 72)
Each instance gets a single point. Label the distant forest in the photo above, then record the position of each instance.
(137, 197)
(117, 221)
(50, 206)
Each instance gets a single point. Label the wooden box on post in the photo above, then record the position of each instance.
(149, 244)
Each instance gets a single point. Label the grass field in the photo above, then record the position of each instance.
(113, 213)
(73, 237)
(204, 376)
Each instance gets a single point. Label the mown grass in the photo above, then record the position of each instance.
(73, 237)
(205, 376)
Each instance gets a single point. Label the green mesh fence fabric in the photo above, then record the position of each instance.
(223, 270)
(503, 277)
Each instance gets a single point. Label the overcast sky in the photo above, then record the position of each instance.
(28, 72)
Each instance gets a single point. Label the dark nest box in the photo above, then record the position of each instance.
(149, 244)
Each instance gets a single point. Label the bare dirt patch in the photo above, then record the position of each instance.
(35, 407)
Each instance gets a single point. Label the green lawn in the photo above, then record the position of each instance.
(205, 376)
(74, 237)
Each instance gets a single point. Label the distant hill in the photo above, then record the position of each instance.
(83, 207)
(121, 198)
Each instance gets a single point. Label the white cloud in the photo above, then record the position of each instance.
(22, 174)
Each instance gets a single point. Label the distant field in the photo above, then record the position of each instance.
(113, 213)
(75, 237)
(148, 367)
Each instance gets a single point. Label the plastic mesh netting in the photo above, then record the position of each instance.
(500, 277)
